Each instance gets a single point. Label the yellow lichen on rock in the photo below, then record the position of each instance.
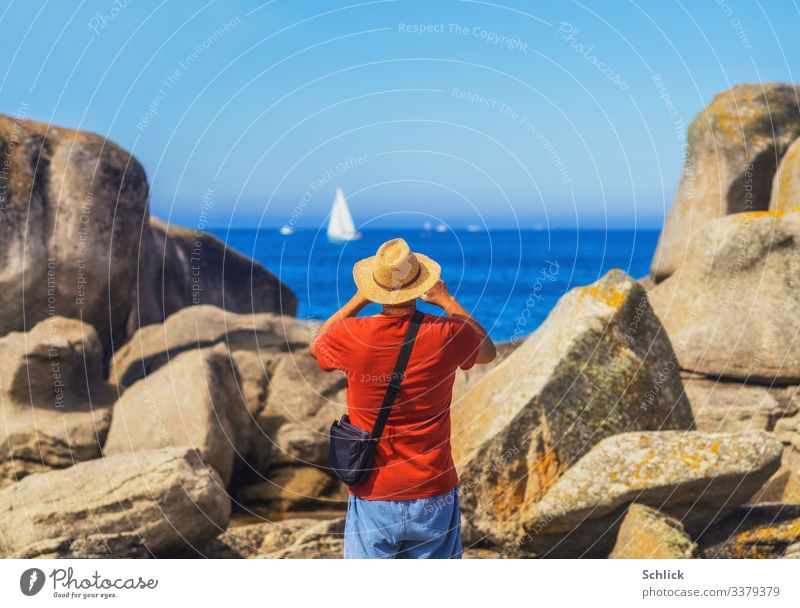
(786, 533)
(769, 539)
(544, 470)
(610, 295)
(773, 213)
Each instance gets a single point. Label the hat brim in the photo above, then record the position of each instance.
(429, 273)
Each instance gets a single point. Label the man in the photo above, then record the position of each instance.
(407, 506)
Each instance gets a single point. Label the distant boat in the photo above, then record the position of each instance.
(441, 228)
(340, 226)
(286, 230)
(473, 228)
(427, 226)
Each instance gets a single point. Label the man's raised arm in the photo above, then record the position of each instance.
(356, 304)
(439, 296)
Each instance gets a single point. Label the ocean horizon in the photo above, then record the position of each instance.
(508, 279)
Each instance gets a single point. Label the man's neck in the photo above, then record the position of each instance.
(397, 311)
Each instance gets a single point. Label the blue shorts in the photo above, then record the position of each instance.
(410, 529)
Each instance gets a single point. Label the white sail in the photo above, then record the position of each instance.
(340, 226)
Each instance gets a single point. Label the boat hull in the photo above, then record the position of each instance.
(339, 240)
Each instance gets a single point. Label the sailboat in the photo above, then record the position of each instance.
(340, 225)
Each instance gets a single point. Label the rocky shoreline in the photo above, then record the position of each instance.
(157, 399)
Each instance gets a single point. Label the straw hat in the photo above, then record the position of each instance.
(395, 274)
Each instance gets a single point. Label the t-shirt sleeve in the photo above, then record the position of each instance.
(464, 343)
(331, 348)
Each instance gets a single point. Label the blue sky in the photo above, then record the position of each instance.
(457, 111)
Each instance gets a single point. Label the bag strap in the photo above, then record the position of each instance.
(398, 374)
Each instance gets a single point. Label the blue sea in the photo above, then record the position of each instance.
(508, 279)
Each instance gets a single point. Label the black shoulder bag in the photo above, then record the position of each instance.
(352, 449)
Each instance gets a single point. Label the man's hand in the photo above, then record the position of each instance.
(437, 295)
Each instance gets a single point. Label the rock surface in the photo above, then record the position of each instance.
(300, 538)
(734, 146)
(73, 207)
(193, 401)
(785, 193)
(243, 542)
(294, 488)
(199, 327)
(600, 364)
(291, 401)
(730, 309)
(55, 403)
(300, 406)
(324, 539)
(182, 267)
(721, 406)
(785, 486)
(792, 551)
(762, 531)
(161, 503)
(646, 533)
(465, 380)
(731, 406)
(787, 429)
(698, 478)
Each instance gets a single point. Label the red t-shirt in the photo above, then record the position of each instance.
(413, 457)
